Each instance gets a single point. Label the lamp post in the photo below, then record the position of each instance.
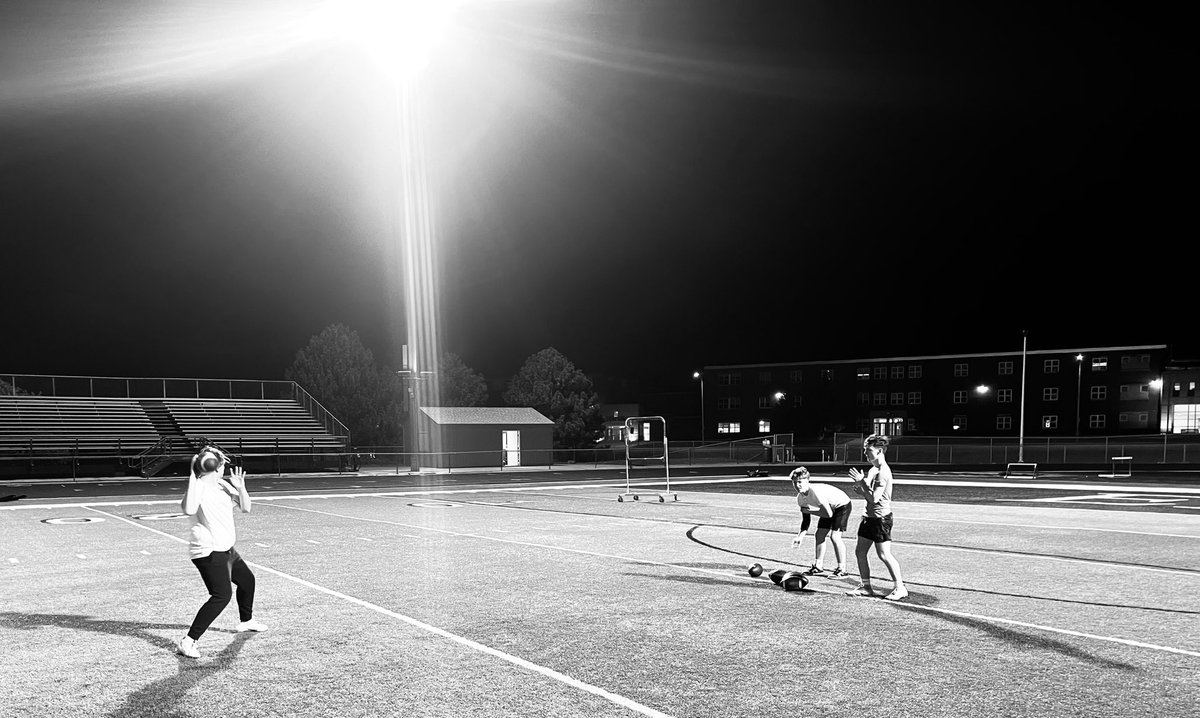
(1021, 434)
(1078, 388)
(700, 376)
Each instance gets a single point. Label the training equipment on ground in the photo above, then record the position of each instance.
(777, 576)
(756, 570)
(793, 581)
(634, 426)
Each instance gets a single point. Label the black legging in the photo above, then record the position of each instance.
(219, 570)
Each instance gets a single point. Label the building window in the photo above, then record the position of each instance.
(914, 397)
(1133, 419)
(728, 379)
(960, 396)
(914, 371)
(880, 398)
(1004, 396)
(1135, 361)
(764, 402)
(1135, 392)
(1050, 393)
(729, 402)
(1096, 421)
(864, 398)
(764, 426)
(1099, 363)
(1050, 421)
(1004, 367)
(729, 427)
(911, 424)
(1174, 388)
(880, 372)
(960, 422)
(1191, 388)
(827, 374)
(795, 376)
(897, 372)
(897, 398)
(864, 373)
(960, 369)
(1004, 422)
(764, 377)
(1050, 366)
(863, 426)
(1098, 393)
(797, 400)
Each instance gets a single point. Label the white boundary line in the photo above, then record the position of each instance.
(474, 645)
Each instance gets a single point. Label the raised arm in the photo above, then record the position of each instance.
(237, 478)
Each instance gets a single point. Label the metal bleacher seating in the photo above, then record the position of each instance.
(254, 425)
(40, 425)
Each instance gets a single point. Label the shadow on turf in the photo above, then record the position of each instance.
(151, 699)
(1025, 641)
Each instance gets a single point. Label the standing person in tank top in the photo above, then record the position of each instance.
(876, 526)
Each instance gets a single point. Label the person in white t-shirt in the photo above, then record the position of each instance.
(208, 502)
(832, 506)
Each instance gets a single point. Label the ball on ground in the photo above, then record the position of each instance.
(756, 570)
(777, 576)
(793, 581)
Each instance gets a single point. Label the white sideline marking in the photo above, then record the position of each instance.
(14, 560)
(516, 660)
(1043, 526)
(1051, 629)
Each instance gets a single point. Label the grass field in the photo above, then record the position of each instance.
(561, 601)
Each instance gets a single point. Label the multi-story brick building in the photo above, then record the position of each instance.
(1092, 391)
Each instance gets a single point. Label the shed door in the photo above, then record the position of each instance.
(512, 447)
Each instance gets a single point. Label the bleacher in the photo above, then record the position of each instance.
(115, 426)
(254, 425)
(40, 425)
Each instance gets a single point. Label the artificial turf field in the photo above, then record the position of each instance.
(515, 597)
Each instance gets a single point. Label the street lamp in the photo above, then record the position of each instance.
(1078, 388)
(698, 375)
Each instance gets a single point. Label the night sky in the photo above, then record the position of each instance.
(647, 186)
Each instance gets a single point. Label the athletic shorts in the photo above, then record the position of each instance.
(839, 520)
(878, 530)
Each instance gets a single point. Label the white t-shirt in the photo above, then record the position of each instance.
(811, 499)
(212, 525)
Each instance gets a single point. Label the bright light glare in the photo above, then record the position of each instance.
(397, 34)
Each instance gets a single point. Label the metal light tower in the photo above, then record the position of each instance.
(1021, 437)
(700, 376)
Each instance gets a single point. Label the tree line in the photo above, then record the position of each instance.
(368, 397)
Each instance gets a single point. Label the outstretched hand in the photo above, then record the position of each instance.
(856, 474)
(237, 477)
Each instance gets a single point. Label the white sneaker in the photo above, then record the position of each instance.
(251, 625)
(187, 647)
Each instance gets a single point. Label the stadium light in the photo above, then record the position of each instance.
(700, 376)
(982, 389)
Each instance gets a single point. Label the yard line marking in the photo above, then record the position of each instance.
(1057, 528)
(318, 543)
(360, 538)
(13, 560)
(474, 645)
(1051, 629)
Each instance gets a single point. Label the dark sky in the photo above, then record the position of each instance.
(647, 186)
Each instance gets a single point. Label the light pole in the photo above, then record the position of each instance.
(1078, 388)
(1021, 436)
(700, 376)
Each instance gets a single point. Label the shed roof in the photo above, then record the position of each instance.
(444, 415)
